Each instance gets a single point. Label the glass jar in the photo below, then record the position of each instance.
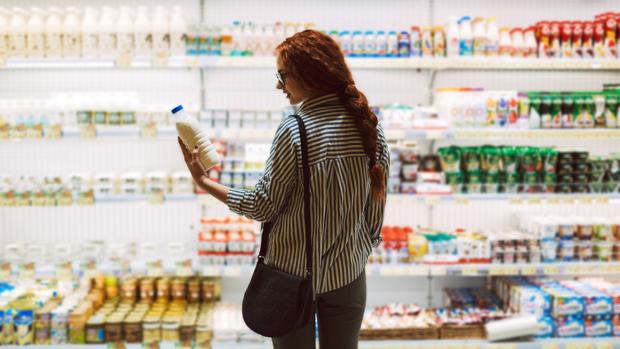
(163, 288)
(151, 330)
(147, 289)
(193, 290)
(95, 332)
(132, 329)
(178, 288)
(170, 331)
(114, 329)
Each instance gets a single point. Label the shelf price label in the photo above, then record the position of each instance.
(124, 60)
(157, 197)
(232, 271)
(550, 346)
(64, 270)
(529, 270)
(585, 200)
(579, 346)
(607, 345)
(502, 346)
(516, 200)
(469, 271)
(551, 270)
(27, 271)
(603, 200)
(183, 267)
(116, 345)
(155, 268)
(88, 131)
(211, 270)
(534, 200)
(148, 130)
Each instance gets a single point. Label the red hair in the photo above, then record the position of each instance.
(315, 59)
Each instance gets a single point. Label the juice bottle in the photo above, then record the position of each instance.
(439, 42)
(544, 35)
(17, 33)
(480, 37)
(370, 44)
(71, 38)
(427, 41)
(381, 44)
(611, 25)
(598, 42)
(556, 111)
(465, 37)
(193, 136)
(452, 37)
(410, 44)
(535, 111)
(531, 46)
(178, 30)
(502, 111)
(90, 33)
(567, 112)
(392, 44)
(555, 46)
(53, 37)
(546, 120)
(358, 44)
(35, 37)
(107, 33)
(577, 39)
(505, 43)
(518, 43)
(346, 43)
(611, 110)
(492, 37)
(566, 39)
(587, 43)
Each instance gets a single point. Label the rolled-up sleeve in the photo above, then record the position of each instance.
(375, 209)
(273, 189)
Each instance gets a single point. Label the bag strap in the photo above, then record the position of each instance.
(307, 222)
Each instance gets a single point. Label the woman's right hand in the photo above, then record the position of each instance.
(192, 161)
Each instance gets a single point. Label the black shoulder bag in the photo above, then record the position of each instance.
(275, 302)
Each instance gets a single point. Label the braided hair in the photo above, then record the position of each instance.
(315, 60)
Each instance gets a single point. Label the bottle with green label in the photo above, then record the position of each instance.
(587, 114)
(567, 111)
(599, 110)
(611, 110)
(556, 111)
(546, 120)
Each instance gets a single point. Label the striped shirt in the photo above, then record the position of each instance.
(346, 220)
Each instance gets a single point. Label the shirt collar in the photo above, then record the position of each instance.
(325, 101)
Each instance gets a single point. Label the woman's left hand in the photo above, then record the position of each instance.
(192, 161)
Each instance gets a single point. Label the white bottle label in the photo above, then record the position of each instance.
(125, 44)
(36, 45)
(177, 44)
(71, 45)
(90, 45)
(160, 43)
(107, 44)
(53, 45)
(143, 43)
(18, 45)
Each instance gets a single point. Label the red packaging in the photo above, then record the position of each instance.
(586, 43)
(598, 41)
(611, 26)
(543, 32)
(555, 47)
(577, 39)
(566, 37)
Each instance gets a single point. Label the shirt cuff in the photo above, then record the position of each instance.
(233, 200)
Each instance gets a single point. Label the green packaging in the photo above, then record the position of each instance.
(529, 158)
(599, 110)
(471, 158)
(510, 159)
(587, 113)
(455, 181)
(531, 182)
(491, 182)
(546, 119)
(556, 111)
(491, 159)
(450, 158)
(511, 182)
(549, 182)
(611, 110)
(567, 112)
(550, 159)
(474, 182)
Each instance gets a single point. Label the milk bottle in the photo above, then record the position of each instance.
(107, 33)
(178, 30)
(492, 41)
(452, 37)
(71, 28)
(17, 33)
(90, 34)
(4, 32)
(124, 33)
(142, 33)
(35, 37)
(466, 38)
(53, 30)
(160, 33)
(193, 136)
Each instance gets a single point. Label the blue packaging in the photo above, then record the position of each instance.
(598, 326)
(546, 327)
(569, 327)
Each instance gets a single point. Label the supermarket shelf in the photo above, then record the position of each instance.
(79, 63)
(465, 63)
(556, 343)
(502, 134)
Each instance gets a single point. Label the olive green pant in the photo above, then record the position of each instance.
(339, 313)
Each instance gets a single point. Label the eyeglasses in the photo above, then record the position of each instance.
(281, 78)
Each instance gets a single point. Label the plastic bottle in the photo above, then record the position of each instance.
(249, 42)
(4, 32)
(518, 42)
(505, 43)
(193, 136)
(465, 37)
(392, 44)
(381, 44)
(237, 39)
(261, 45)
(269, 40)
(90, 33)
(178, 30)
(427, 41)
(370, 44)
(71, 37)
(439, 41)
(480, 37)
(53, 33)
(124, 33)
(452, 40)
(227, 40)
(35, 37)
(17, 33)
(160, 31)
(492, 37)
(108, 39)
(142, 33)
(530, 42)
(358, 44)
(346, 43)
(410, 44)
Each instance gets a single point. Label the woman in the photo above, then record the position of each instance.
(349, 161)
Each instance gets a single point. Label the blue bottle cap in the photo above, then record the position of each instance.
(177, 109)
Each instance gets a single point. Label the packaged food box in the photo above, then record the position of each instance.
(569, 327)
(598, 326)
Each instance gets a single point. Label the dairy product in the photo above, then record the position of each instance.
(17, 33)
(90, 33)
(480, 37)
(71, 42)
(160, 32)
(107, 33)
(4, 32)
(35, 38)
(53, 30)
(193, 136)
(124, 33)
(452, 37)
(178, 29)
(492, 37)
(465, 37)
(142, 32)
